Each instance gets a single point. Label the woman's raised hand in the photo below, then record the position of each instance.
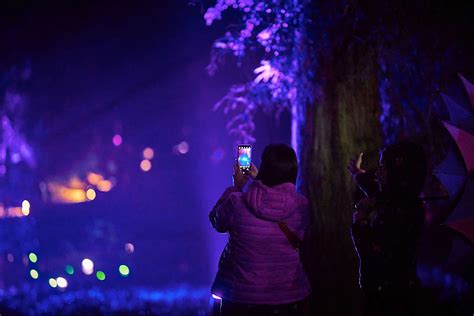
(253, 170)
(240, 179)
(355, 164)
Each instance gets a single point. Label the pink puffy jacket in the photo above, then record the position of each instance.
(258, 264)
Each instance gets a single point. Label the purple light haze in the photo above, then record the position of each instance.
(129, 74)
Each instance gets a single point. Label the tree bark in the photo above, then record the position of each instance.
(343, 121)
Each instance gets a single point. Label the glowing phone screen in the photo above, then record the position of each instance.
(244, 157)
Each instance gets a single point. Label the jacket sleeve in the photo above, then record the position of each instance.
(221, 214)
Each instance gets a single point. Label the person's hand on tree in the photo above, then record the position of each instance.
(355, 165)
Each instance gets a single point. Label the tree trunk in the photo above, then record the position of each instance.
(343, 122)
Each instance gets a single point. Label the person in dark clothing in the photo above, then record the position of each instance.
(387, 226)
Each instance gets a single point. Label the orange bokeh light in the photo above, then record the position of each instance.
(94, 178)
(148, 153)
(145, 165)
(104, 186)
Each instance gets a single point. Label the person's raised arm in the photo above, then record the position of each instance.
(364, 180)
(221, 214)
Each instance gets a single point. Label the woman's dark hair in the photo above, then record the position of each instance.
(405, 166)
(279, 165)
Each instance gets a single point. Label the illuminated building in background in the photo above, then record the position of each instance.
(63, 194)
(75, 183)
(75, 190)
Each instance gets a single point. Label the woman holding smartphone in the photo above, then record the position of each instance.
(259, 271)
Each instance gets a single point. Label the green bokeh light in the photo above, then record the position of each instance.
(69, 269)
(100, 275)
(124, 270)
(34, 274)
(52, 282)
(33, 257)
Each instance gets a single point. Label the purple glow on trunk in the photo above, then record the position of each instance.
(294, 129)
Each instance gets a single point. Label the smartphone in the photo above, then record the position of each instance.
(244, 157)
